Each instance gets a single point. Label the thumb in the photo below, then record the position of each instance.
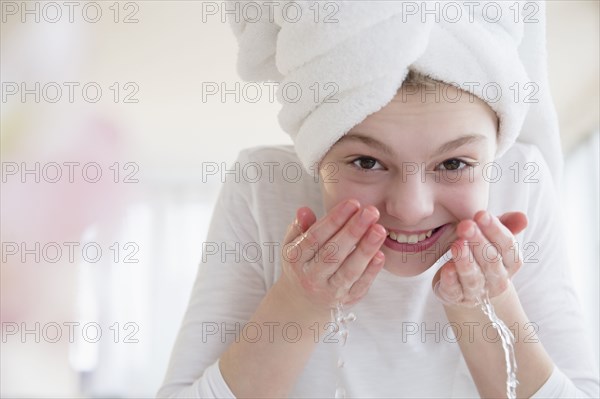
(305, 218)
(514, 221)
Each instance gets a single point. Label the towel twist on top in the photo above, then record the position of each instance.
(337, 62)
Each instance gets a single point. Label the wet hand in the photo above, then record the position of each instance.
(484, 257)
(334, 259)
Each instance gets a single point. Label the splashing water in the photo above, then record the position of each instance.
(508, 341)
(341, 320)
(506, 336)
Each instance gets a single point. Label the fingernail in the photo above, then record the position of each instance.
(485, 219)
(349, 208)
(374, 236)
(367, 215)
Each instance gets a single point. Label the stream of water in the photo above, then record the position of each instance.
(508, 345)
(341, 320)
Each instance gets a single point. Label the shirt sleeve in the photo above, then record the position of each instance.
(210, 385)
(228, 288)
(559, 386)
(548, 295)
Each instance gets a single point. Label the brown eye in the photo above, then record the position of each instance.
(452, 164)
(365, 163)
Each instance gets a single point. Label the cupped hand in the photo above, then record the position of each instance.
(334, 259)
(484, 258)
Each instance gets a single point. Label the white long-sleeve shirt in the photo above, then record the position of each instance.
(401, 344)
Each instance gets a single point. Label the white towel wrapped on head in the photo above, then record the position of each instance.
(362, 55)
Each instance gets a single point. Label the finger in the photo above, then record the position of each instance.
(486, 254)
(360, 288)
(346, 240)
(305, 218)
(354, 265)
(470, 275)
(505, 245)
(514, 221)
(448, 288)
(305, 246)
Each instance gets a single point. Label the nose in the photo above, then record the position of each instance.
(410, 200)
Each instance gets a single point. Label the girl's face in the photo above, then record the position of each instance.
(418, 160)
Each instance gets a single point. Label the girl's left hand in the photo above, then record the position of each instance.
(485, 256)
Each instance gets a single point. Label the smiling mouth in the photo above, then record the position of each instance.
(412, 238)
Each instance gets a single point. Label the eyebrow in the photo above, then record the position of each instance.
(370, 142)
(449, 146)
(459, 142)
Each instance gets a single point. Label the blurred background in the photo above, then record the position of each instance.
(104, 134)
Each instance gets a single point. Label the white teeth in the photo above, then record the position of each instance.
(410, 239)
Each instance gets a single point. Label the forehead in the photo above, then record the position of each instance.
(444, 110)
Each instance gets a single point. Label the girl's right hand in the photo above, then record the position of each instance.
(333, 260)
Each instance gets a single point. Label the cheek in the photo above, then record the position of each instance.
(340, 189)
(463, 201)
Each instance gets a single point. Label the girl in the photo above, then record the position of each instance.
(387, 200)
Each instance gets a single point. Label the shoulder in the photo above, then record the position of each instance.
(269, 153)
(272, 179)
(273, 165)
(524, 153)
(275, 168)
(519, 179)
